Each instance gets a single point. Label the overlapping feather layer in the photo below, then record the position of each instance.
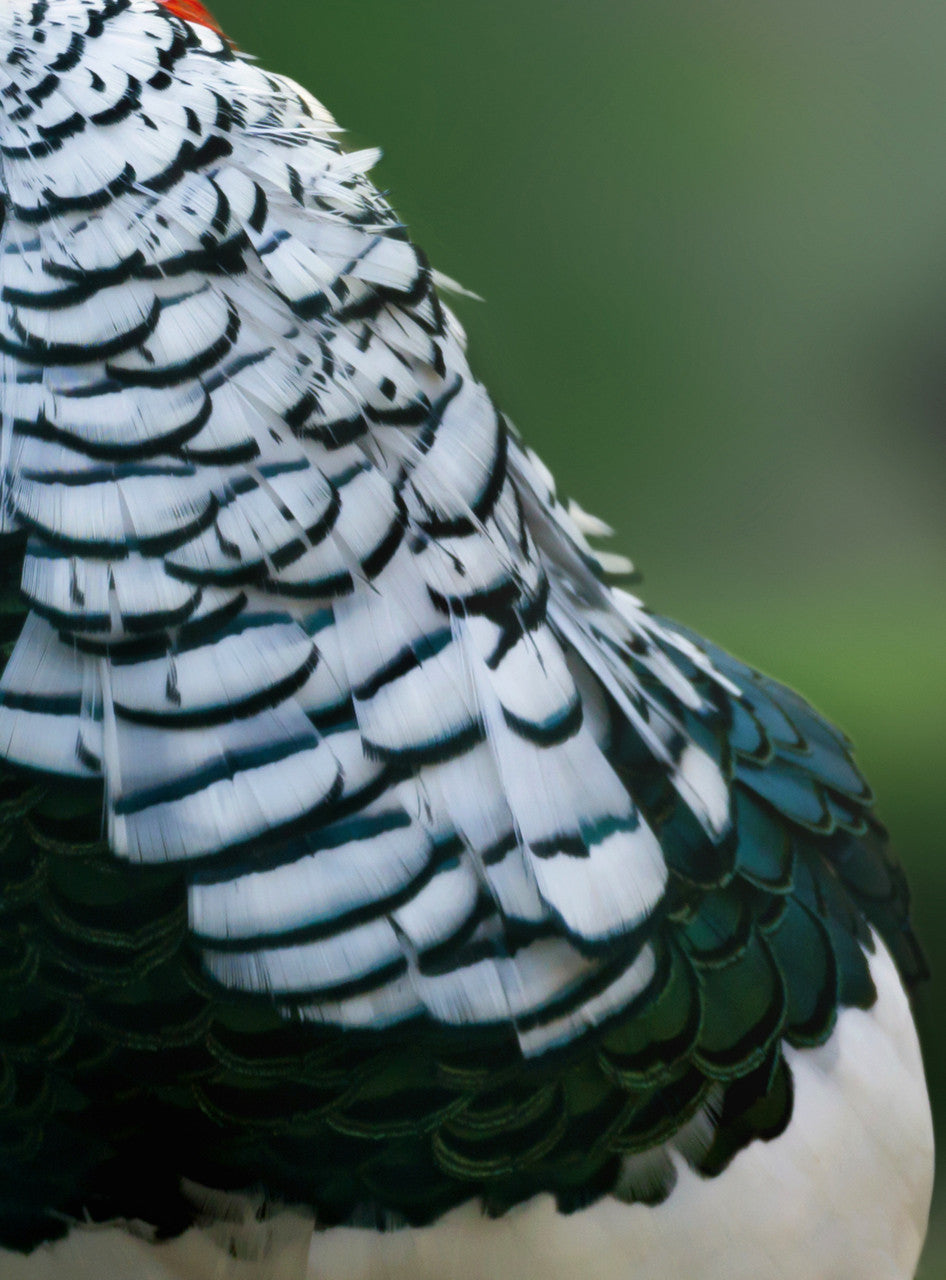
(424, 848)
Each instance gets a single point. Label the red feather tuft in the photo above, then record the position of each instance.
(191, 11)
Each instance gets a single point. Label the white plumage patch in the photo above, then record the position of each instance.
(308, 609)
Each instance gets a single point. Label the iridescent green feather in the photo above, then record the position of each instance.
(113, 1041)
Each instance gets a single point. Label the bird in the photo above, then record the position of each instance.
(385, 890)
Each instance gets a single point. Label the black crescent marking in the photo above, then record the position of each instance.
(43, 429)
(239, 709)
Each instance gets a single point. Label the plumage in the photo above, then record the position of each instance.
(362, 850)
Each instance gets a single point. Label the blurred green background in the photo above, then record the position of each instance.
(712, 237)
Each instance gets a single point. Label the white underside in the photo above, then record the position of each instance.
(843, 1195)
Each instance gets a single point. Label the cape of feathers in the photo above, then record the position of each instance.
(357, 694)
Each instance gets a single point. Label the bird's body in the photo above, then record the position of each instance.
(447, 901)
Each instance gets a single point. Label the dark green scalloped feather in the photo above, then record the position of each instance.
(113, 1043)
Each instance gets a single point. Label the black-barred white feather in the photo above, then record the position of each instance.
(307, 606)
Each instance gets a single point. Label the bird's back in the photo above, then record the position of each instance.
(444, 894)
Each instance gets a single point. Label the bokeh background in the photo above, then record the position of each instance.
(712, 237)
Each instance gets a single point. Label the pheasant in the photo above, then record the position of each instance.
(384, 891)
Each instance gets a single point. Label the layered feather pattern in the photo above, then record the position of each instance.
(281, 541)
(385, 761)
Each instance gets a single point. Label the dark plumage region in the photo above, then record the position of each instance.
(115, 1040)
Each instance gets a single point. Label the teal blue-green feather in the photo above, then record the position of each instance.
(113, 1039)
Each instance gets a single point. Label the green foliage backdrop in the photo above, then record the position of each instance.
(713, 242)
